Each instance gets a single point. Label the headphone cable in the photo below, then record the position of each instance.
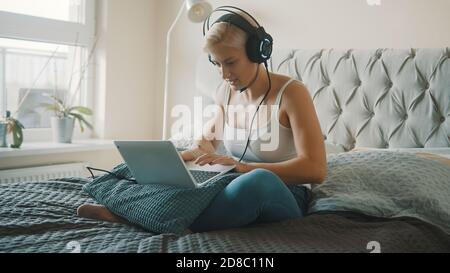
(115, 174)
(252, 82)
(254, 115)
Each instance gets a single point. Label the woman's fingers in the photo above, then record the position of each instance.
(224, 160)
(187, 156)
(214, 159)
(205, 159)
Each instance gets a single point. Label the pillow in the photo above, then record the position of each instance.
(155, 207)
(386, 184)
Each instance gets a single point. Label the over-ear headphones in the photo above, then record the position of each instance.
(258, 47)
(259, 43)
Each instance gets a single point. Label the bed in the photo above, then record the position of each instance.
(385, 116)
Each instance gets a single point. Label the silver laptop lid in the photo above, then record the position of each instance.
(155, 162)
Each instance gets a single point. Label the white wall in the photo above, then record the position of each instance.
(309, 24)
(126, 69)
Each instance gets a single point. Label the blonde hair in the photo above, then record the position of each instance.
(227, 34)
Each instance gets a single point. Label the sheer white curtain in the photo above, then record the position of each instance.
(43, 74)
(67, 24)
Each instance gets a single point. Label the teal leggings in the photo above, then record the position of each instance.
(254, 197)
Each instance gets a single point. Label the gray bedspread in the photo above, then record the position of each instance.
(41, 217)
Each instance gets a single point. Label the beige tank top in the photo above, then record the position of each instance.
(270, 143)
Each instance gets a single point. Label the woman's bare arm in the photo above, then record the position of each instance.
(310, 164)
(212, 130)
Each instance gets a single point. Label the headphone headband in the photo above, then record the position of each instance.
(227, 9)
(238, 21)
(259, 43)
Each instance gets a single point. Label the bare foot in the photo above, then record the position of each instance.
(99, 212)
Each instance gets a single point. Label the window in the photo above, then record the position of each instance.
(65, 10)
(33, 71)
(44, 50)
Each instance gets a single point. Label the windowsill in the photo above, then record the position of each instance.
(44, 148)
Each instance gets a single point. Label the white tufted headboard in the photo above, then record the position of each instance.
(381, 98)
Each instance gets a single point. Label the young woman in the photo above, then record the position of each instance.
(262, 193)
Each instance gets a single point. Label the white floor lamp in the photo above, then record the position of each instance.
(197, 11)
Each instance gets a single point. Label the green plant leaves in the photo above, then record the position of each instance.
(76, 112)
(81, 120)
(81, 109)
(15, 127)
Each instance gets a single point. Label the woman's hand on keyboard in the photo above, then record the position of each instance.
(187, 155)
(212, 159)
(192, 154)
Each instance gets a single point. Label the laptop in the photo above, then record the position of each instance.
(159, 162)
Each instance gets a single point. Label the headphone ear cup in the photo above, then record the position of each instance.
(259, 46)
(266, 47)
(252, 49)
(265, 44)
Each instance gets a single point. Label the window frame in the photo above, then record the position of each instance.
(40, 29)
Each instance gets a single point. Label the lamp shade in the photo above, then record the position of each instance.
(198, 10)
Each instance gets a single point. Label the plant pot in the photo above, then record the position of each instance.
(62, 129)
(3, 134)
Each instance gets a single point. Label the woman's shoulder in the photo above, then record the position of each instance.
(282, 79)
(291, 85)
(295, 92)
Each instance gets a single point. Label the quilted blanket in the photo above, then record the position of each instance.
(41, 217)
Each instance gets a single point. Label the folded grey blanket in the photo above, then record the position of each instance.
(387, 185)
(155, 207)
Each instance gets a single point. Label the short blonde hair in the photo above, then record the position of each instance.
(226, 34)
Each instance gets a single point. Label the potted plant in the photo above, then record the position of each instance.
(11, 125)
(65, 115)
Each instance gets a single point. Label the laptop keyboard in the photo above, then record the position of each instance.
(202, 176)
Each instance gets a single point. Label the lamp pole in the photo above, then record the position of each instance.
(166, 83)
(198, 10)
